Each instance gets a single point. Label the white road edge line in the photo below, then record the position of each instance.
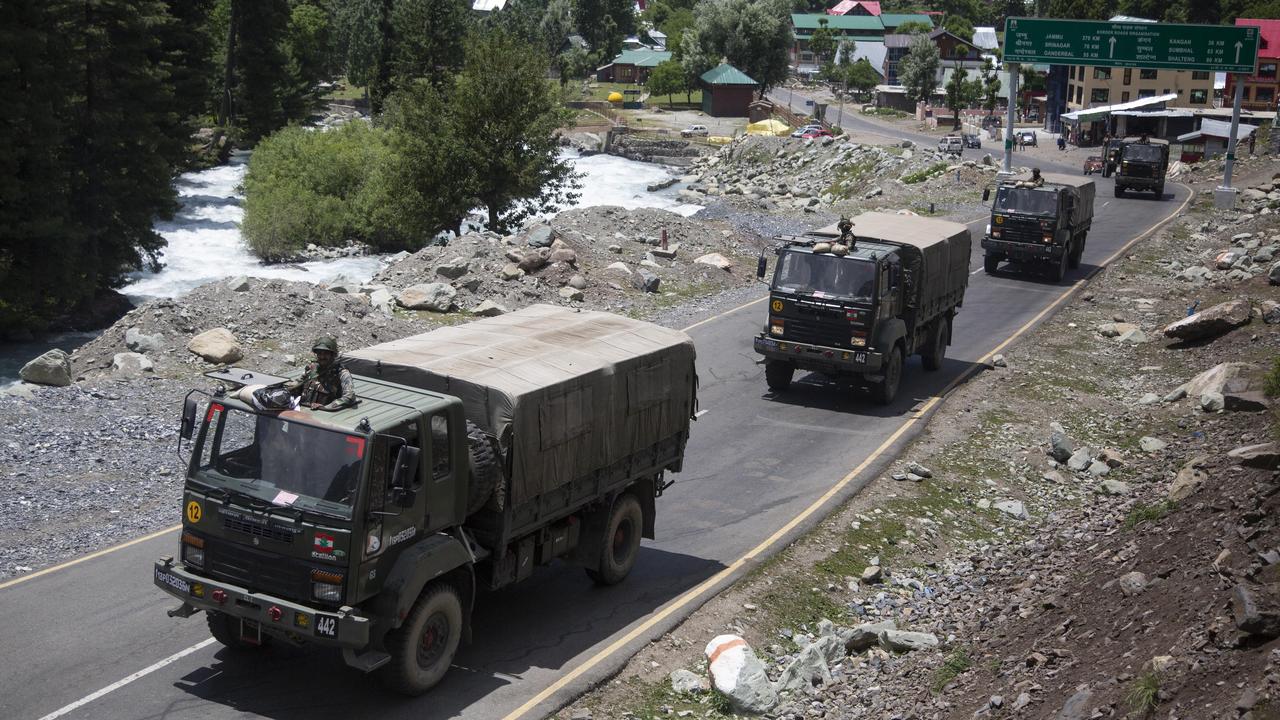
(121, 683)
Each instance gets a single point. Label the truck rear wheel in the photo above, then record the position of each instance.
(778, 374)
(621, 543)
(1077, 251)
(991, 263)
(936, 346)
(484, 473)
(886, 390)
(422, 649)
(226, 629)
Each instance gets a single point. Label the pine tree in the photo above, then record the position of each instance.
(427, 38)
(262, 66)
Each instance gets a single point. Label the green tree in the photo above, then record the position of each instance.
(956, 93)
(1080, 9)
(913, 27)
(426, 39)
(752, 35)
(261, 64)
(604, 23)
(675, 26)
(503, 101)
(823, 43)
(358, 38)
(862, 77)
(575, 63)
(990, 86)
(959, 26)
(696, 60)
(918, 69)
(666, 79)
(556, 25)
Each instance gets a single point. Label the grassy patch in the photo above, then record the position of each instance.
(1271, 382)
(884, 112)
(955, 664)
(1141, 514)
(850, 178)
(344, 91)
(1144, 693)
(657, 699)
(920, 176)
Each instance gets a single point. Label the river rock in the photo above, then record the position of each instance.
(240, 283)
(436, 297)
(1264, 456)
(511, 271)
(1252, 615)
(578, 281)
(1189, 479)
(138, 341)
(1212, 401)
(534, 261)
(683, 681)
(619, 267)
(862, 637)
(453, 268)
(1150, 444)
(572, 294)
(383, 301)
(1060, 446)
(1114, 487)
(646, 281)
(1013, 508)
(51, 368)
(904, 641)
(131, 364)
(539, 236)
(1080, 459)
(564, 255)
(1211, 322)
(715, 260)
(811, 665)
(488, 308)
(218, 345)
(739, 675)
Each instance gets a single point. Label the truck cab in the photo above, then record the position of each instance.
(857, 301)
(1141, 164)
(1040, 223)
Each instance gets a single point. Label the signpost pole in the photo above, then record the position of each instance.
(1225, 195)
(1012, 114)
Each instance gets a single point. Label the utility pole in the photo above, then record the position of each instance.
(1225, 195)
(1007, 170)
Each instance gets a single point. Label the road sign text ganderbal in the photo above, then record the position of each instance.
(1213, 48)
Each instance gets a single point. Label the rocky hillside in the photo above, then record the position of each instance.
(1089, 529)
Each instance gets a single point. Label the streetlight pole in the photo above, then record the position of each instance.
(1225, 195)
(1007, 169)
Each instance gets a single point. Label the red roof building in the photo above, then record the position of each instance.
(1261, 88)
(856, 7)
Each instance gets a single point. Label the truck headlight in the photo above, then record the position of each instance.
(995, 233)
(858, 341)
(326, 592)
(1048, 238)
(192, 555)
(775, 328)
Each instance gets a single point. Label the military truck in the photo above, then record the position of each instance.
(1044, 224)
(856, 302)
(1141, 164)
(474, 453)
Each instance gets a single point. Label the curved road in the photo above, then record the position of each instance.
(91, 640)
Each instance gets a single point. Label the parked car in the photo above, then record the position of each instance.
(971, 140)
(1026, 137)
(1093, 164)
(951, 144)
(800, 132)
(817, 133)
(695, 130)
(990, 121)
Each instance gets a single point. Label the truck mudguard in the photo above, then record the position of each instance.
(890, 332)
(433, 557)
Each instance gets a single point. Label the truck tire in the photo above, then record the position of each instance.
(1160, 191)
(1119, 191)
(991, 263)
(422, 648)
(226, 629)
(1077, 251)
(1059, 269)
(621, 543)
(936, 346)
(484, 474)
(778, 374)
(886, 390)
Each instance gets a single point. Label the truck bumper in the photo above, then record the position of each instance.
(1139, 183)
(817, 357)
(346, 628)
(1023, 252)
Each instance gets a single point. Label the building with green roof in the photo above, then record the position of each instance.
(727, 91)
(632, 66)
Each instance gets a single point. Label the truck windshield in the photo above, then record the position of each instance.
(280, 461)
(1031, 201)
(1142, 153)
(825, 275)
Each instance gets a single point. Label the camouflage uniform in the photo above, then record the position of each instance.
(331, 387)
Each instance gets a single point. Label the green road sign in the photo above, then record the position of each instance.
(1216, 48)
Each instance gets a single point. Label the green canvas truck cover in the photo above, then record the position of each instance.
(942, 246)
(1082, 187)
(566, 392)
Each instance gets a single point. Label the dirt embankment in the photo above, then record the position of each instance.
(1079, 533)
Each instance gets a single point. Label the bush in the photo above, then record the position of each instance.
(1271, 382)
(318, 187)
(920, 176)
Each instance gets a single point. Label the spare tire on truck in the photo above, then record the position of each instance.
(485, 473)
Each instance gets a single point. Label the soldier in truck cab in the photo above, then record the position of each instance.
(325, 384)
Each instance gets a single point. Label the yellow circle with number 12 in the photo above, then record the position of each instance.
(193, 512)
(777, 306)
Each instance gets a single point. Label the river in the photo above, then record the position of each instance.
(204, 242)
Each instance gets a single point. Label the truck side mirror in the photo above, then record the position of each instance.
(986, 194)
(403, 493)
(188, 426)
(761, 266)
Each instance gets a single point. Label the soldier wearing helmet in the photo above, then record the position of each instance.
(325, 384)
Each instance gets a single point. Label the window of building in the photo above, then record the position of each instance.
(1102, 73)
(1147, 74)
(1199, 74)
(1266, 70)
(1164, 91)
(1264, 94)
(1099, 95)
(1128, 75)
(1146, 94)
(1124, 96)
(1199, 97)
(1079, 95)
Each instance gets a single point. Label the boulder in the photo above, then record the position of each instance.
(453, 268)
(619, 267)
(739, 675)
(1273, 275)
(240, 283)
(51, 368)
(539, 236)
(138, 341)
(511, 271)
(1264, 456)
(1189, 479)
(578, 281)
(1211, 322)
(1212, 401)
(218, 345)
(1013, 508)
(715, 260)
(131, 364)
(1132, 583)
(811, 665)
(863, 636)
(534, 261)
(564, 255)
(1133, 337)
(685, 682)
(905, 641)
(488, 308)
(646, 281)
(1244, 401)
(1115, 329)
(1114, 487)
(1080, 459)
(1060, 446)
(383, 301)
(1253, 616)
(1270, 311)
(572, 294)
(436, 297)
(1150, 444)
(1214, 379)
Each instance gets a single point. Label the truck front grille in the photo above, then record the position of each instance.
(830, 334)
(258, 571)
(256, 530)
(1020, 231)
(1139, 171)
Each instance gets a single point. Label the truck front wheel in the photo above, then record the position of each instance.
(621, 544)
(990, 263)
(1119, 191)
(936, 346)
(887, 389)
(778, 374)
(226, 629)
(1077, 251)
(422, 649)
(1160, 191)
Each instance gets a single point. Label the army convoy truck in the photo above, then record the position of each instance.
(1045, 224)
(858, 303)
(1141, 164)
(474, 453)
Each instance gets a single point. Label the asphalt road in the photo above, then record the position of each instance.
(92, 640)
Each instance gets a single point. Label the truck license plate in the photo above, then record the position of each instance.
(860, 357)
(172, 581)
(327, 626)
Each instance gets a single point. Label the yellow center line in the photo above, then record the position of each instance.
(694, 594)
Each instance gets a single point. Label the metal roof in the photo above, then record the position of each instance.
(1098, 112)
(809, 22)
(726, 74)
(642, 58)
(1218, 129)
(985, 38)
